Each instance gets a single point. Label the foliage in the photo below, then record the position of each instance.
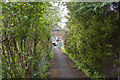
(93, 34)
(25, 38)
(51, 55)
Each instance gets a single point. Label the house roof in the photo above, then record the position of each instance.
(56, 28)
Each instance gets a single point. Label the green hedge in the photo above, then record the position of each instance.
(26, 38)
(94, 35)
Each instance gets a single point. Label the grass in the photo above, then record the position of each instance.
(95, 76)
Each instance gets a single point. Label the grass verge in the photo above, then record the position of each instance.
(94, 75)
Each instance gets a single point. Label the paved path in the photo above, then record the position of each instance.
(62, 67)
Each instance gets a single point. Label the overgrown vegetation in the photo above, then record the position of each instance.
(94, 35)
(26, 39)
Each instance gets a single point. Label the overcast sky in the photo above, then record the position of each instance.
(63, 11)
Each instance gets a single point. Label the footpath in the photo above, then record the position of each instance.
(63, 67)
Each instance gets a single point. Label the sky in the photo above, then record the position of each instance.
(63, 11)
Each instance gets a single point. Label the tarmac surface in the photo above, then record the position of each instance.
(63, 67)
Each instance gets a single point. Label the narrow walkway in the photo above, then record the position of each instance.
(63, 67)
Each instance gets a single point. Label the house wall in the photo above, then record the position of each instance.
(57, 33)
